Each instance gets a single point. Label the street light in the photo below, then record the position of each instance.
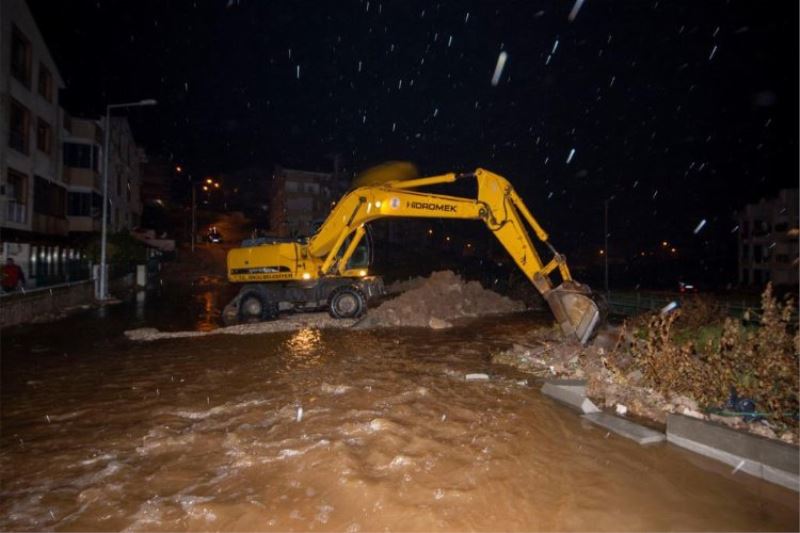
(103, 291)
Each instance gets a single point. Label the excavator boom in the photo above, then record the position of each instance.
(328, 252)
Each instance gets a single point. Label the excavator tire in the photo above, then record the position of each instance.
(254, 306)
(347, 301)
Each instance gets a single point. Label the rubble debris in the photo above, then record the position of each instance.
(434, 301)
(286, 323)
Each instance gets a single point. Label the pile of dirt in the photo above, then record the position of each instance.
(434, 301)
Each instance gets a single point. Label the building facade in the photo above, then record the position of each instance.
(33, 194)
(82, 149)
(300, 200)
(125, 177)
(30, 147)
(768, 241)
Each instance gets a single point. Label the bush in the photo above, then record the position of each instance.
(699, 352)
(121, 249)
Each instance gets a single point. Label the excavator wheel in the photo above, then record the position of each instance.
(254, 306)
(347, 302)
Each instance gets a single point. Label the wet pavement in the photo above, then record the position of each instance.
(324, 430)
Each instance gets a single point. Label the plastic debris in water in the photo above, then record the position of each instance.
(713, 51)
(570, 156)
(699, 226)
(477, 377)
(738, 467)
(299, 414)
(669, 307)
(498, 68)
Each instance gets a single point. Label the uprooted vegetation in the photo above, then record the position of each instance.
(699, 352)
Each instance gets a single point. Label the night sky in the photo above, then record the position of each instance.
(678, 111)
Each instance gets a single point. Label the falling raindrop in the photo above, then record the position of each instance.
(498, 69)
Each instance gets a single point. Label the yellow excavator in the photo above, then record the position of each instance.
(331, 270)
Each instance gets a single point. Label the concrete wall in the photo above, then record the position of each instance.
(23, 308)
(49, 304)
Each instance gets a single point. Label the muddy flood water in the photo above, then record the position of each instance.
(328, 430)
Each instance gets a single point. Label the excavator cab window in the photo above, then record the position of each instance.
(361, 257)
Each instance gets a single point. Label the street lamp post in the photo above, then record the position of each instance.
(103, 290)
(605, 246)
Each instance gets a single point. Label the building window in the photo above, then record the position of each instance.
(20, 56)
(44, 136)
(18, 127)
(758, 253)
(78, 155)
(48, 198)
(45, 83)
(80, 204)
(17, 193)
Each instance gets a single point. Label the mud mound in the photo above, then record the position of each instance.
(434, 301)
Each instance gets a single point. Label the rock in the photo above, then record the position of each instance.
(634, 377)
(477, 377)
(691, 413)
(438, 323)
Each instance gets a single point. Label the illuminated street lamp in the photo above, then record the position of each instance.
(102, 293)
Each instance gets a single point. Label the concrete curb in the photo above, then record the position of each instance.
(770, 460)
(571, 392)
(626, 428)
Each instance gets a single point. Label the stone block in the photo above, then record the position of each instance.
(625, 428)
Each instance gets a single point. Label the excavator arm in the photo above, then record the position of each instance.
(496, 204)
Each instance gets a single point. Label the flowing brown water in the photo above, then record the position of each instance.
(331, 430)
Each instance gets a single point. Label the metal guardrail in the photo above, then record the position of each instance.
(48, 288)
(630, 305)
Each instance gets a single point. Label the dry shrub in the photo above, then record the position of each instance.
(700, 310)
(680, 354)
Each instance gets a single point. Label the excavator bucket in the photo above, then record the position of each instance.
(575, 309)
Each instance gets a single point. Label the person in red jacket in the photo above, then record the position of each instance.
(12, 275)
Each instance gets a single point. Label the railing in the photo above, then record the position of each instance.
(629, 304)
(42, 290)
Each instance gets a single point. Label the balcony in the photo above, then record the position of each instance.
(50, 225)
(83, 177)
(16, 212)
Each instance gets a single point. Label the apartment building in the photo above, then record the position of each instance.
(300, 200)
(768, 241)
(82, 149)
(33, 192)
(33, 195)
(124, 178)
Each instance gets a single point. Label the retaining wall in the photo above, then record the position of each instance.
(48, 303)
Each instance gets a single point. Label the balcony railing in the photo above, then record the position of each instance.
(16, 212)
